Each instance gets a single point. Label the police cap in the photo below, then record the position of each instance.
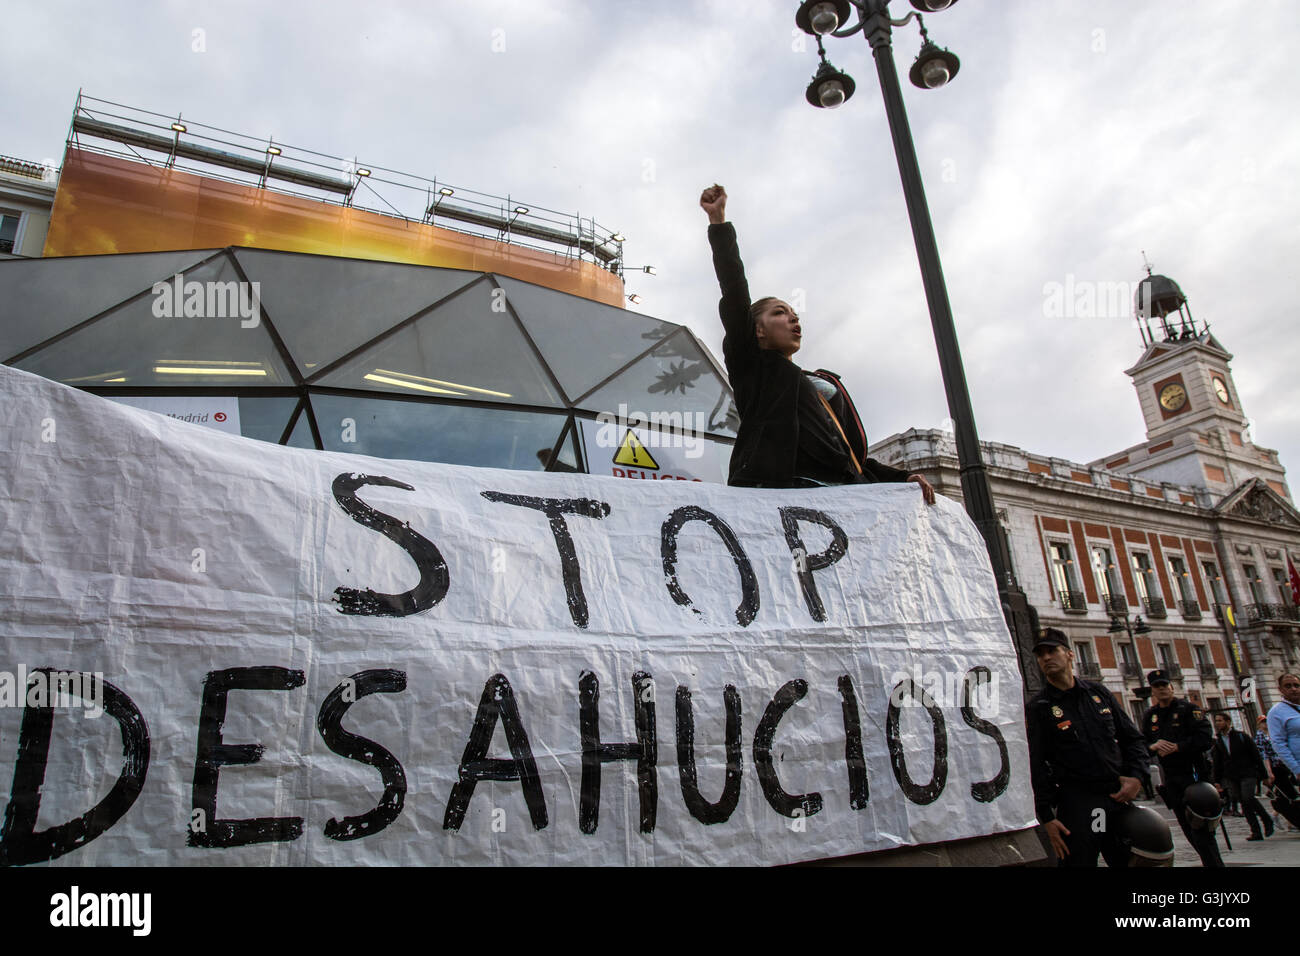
(1052, 637)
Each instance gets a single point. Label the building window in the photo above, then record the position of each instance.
(1202, 657)
(8, 231)
(1283, 585)
(1111, 595)
(1216, 582)
(1127, 655)
(1166, 657)
(1256, 584)
(1178, 571)
(1142, 574)
(1067, 584)
(1085, 664)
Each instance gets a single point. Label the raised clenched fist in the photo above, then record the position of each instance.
(714, 202)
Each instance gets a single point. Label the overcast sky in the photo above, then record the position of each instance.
(1077, 135)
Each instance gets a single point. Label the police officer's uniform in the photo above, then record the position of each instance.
(1080, 743)
(1184, 724)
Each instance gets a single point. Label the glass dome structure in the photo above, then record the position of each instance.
(362, 356)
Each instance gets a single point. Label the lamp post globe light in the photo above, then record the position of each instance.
(1119, 624)
(933, 68)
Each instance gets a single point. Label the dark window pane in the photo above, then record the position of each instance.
(455, 434)
(582, 341)
(265, 418)
(324, 307)
(301, 435)
(43, 297)
(8, 232)
(566, 459)
(676, 383)
(464, 349)
(134, 345)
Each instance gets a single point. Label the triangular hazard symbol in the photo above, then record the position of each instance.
(632, 452)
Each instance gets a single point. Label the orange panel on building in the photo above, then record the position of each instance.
(1096, 530)
(1136, 537)
(1161, 447)
(1158, 559)
(1146, 653)
(1278, 487)
(1195, 572)
(1081, 476)
(1040, 469)
(1125, 571)
(1051, 587)
(1218, 654)
(1118, 485)
(1204, 547)
(1184, 651)
(1155, 493)
(1056, 525)
(107, 205)
(1214, 473)
(1084, 565)
(1105, 651)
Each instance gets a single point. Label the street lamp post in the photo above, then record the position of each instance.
(1119, 622)
(933, 68)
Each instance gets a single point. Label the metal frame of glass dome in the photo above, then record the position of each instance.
(539, 360)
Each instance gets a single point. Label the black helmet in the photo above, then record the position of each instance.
(1202, 805)
(1146, 835)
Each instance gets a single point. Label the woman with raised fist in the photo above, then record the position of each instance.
(797, 429)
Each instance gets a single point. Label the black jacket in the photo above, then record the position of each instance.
(1240, 759)
(766, 385)
(1080, 739)
(1184, 724)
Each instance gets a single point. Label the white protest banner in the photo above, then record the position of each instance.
(219, 650)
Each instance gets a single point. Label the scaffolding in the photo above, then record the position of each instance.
(157, 139)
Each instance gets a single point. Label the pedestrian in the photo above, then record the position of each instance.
(1284, 723)
(1282, 778)
(1239, 767)
(797, 429)
(1177, 732)
(1283, 736)
(1086, 760)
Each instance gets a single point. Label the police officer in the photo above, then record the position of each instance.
(1178, 733)
(1086, 759)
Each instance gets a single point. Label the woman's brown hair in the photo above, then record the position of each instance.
(757, 308)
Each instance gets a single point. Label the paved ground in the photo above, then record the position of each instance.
(1281, 849)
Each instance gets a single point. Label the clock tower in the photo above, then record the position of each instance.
(1197, 432)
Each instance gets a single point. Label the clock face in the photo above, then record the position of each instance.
(1173, 397)
(1221, 390)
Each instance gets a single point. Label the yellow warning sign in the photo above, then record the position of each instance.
(632, 452)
